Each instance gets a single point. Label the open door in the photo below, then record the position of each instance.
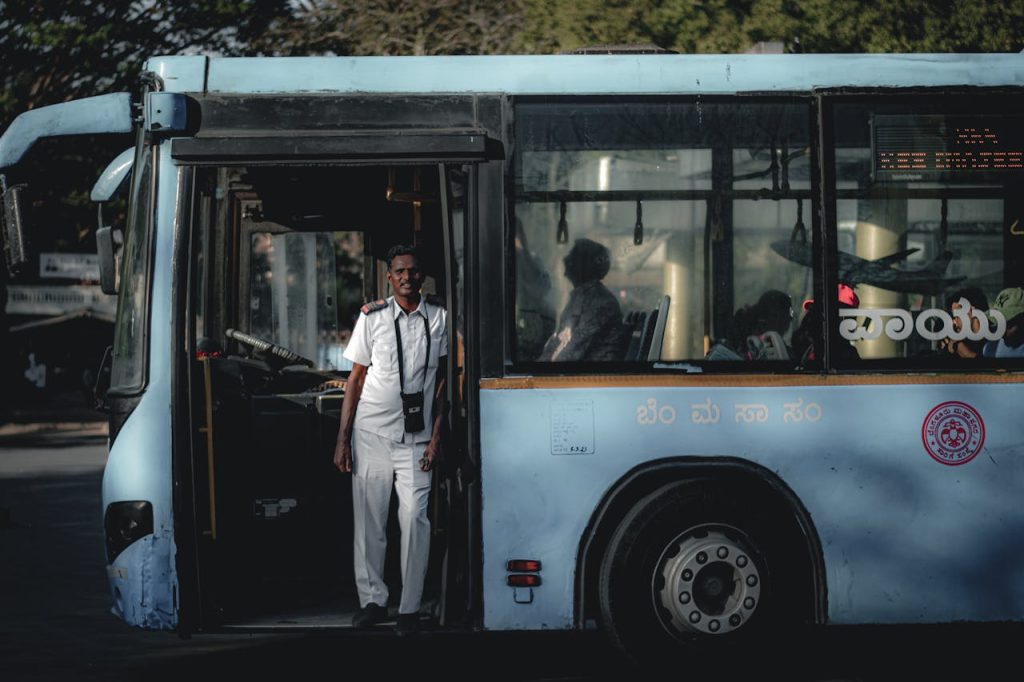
(283, 256)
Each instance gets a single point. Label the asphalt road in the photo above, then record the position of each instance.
(55, 622)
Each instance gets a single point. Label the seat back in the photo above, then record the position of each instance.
(644, 332)
(650, 348)
(634, 323)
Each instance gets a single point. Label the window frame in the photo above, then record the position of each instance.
(951, 101)
(517, 367)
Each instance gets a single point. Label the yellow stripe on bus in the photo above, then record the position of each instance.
(744, 380)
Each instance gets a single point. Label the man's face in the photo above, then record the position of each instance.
(963, 304)
(404, 275)
(573, 269)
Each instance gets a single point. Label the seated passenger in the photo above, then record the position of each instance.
(807, 337)
(1009, 302)
(966, 349)
(758, 329)
(590, 326)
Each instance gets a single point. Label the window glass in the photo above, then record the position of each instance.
(201, 274)
(650, 231)
(925, 200)
(305, 290)
(128, 362)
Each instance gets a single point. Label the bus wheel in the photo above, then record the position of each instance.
(690, 564)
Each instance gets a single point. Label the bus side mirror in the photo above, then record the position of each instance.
(105, 251)
(15, 245)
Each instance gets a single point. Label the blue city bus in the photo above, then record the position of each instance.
(748, 451)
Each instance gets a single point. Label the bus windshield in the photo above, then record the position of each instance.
(301, 268)
(303, 292)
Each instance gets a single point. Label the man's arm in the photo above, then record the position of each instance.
(440, 411)
(353, 390)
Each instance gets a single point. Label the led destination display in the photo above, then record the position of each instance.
(920, 147)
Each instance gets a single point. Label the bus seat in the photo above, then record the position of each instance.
(652, 348)
(644, 332)
(634, 322)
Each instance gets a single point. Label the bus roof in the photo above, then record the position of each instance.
(586, 74)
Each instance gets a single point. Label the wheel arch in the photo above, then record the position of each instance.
(646, 478)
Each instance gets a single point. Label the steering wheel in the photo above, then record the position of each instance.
(272, 350)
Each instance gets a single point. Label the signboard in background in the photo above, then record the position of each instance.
(77, 266)
(59, 300)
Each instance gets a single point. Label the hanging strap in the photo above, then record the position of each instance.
(401, 360)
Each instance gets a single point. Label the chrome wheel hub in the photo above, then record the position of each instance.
(706, 582)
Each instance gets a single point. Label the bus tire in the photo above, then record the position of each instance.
(696, 563)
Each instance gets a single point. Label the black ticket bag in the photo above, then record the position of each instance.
(412, 410)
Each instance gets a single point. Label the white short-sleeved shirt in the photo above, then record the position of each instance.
(374, 345)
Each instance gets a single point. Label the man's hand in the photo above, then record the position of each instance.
(433, 449)
(343, 456)
(429, 456)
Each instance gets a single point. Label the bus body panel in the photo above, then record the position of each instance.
(180, 73)
(898, 527)
(612, 74)
(143, 578)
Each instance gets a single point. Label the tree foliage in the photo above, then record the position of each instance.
(823, 26)
(52, 51)
(396, 27)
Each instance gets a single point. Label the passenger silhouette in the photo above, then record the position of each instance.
(590, 326)
(755, 327)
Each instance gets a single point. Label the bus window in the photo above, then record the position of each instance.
(924, 198)
(628, 212)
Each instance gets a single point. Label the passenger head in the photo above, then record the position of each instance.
(1010, 302)
(774, 311)
(969, 298)
(587, 261)
(975, 296)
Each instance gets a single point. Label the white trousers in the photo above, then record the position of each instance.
(377, 462)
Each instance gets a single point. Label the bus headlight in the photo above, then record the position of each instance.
(126, 522)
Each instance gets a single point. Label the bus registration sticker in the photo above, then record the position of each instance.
(572, 427)
(953, 433)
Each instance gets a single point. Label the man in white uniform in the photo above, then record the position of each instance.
(390, 433)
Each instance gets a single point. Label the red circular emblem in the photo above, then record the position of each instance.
(953, 433)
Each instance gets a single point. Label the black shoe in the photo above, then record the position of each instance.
(371, 614)
(407, 624)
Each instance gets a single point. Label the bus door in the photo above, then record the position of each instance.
(283, 253)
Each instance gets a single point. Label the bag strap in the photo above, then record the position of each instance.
(401, 360)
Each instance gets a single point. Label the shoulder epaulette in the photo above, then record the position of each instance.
(434, 299)
(374, 306)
